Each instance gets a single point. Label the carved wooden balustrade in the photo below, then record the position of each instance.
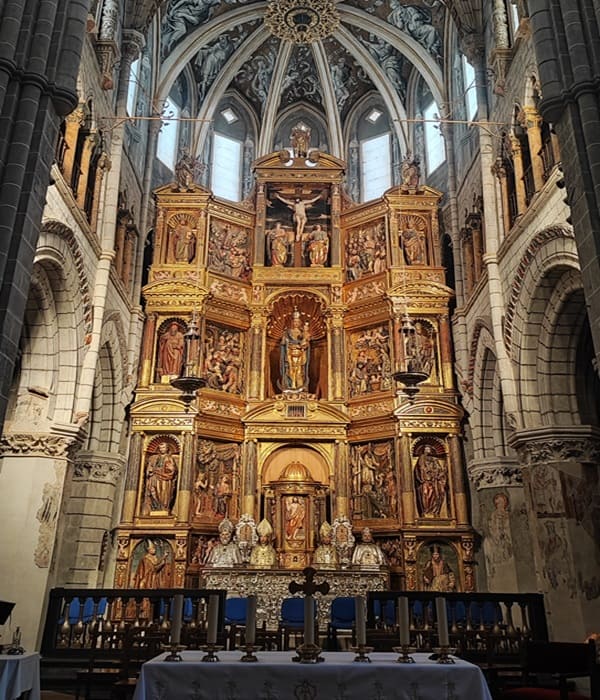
(485, 628)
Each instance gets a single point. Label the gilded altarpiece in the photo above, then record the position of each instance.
(291, 308)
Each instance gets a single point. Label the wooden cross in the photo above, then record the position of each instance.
(309, 587)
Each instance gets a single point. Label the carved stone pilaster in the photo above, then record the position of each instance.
(103, 472)
(39, 445)
(549, 445)
(466, 546)
(410, 561)
(489, 474)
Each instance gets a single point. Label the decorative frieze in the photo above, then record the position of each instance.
(38, 445)
(494, 475)
(103, 472)
(547, 445)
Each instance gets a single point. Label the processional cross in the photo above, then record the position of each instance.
(309, 588)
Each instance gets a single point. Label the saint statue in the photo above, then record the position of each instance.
(325, 556)
(226, 553)
(410, 172)
(278, 245)
(295, 355)
(171, 345)
(263, 554)
(161, 479)
(300, 140)
(431, 482)
(367, 554)
(184, 244)
(318, 246)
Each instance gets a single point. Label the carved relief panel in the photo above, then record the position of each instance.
(229, 249)
(374, 481)
(151, 564)
(223, 358)
(365, 250)
(369, 361)
(216, 481)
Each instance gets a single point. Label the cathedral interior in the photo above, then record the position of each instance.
(293, 271)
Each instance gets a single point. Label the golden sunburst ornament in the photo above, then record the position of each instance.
(302, 21)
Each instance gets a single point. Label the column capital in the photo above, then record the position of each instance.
(575, 443)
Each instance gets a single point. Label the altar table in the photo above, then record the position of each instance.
(276, 677)
(20, 676)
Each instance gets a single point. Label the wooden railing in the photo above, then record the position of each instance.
(84, 622)
(485, 628)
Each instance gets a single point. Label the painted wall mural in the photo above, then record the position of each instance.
(369, 361)
(374, 483)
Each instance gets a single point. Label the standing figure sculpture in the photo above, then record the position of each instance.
(161, 480)
(295, 355)
(170, 351)
(318, 246)
(431, 480)
(298, 206)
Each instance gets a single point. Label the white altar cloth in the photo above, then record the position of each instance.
(19, 675)
(276, 677)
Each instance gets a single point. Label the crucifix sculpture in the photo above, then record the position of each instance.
(309, 652)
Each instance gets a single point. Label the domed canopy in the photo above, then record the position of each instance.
(297, 472)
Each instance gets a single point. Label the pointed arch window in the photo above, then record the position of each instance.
(226, 171)
(470, 88)
(166, 148)
(376, 166)
(435, 149)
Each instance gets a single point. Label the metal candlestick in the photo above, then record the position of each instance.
(444, 655)
(173, 650)
(249, 650)
(211, 652)
(404, 657)
(308, 654)
(362, 653)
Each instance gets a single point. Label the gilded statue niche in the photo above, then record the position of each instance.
(183, 238)
(374, 481)
(297, 346)
(217, 481)
(161, 472)
(298, 226)
(224, 358)
(169, 350)
(366, 250)
(229, 249)
(369, 361)
(431, 478)
(413, 239)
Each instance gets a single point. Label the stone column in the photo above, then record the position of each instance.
(499, 171)
(560, 472)
(342, 480)
(73, 122)
(39, 62)
(515, 146)
(458, 480)
(406, 481)
(446, 351)
(468, 265)
(533, 122)
(186, 478)
(336, 355)
(132, 477)
(250, 477)
(256, 389)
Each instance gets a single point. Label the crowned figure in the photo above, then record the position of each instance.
(325, 556)
(263, 554)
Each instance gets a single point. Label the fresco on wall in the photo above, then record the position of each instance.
(301, 82)
(254, 78)
(497, 544)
